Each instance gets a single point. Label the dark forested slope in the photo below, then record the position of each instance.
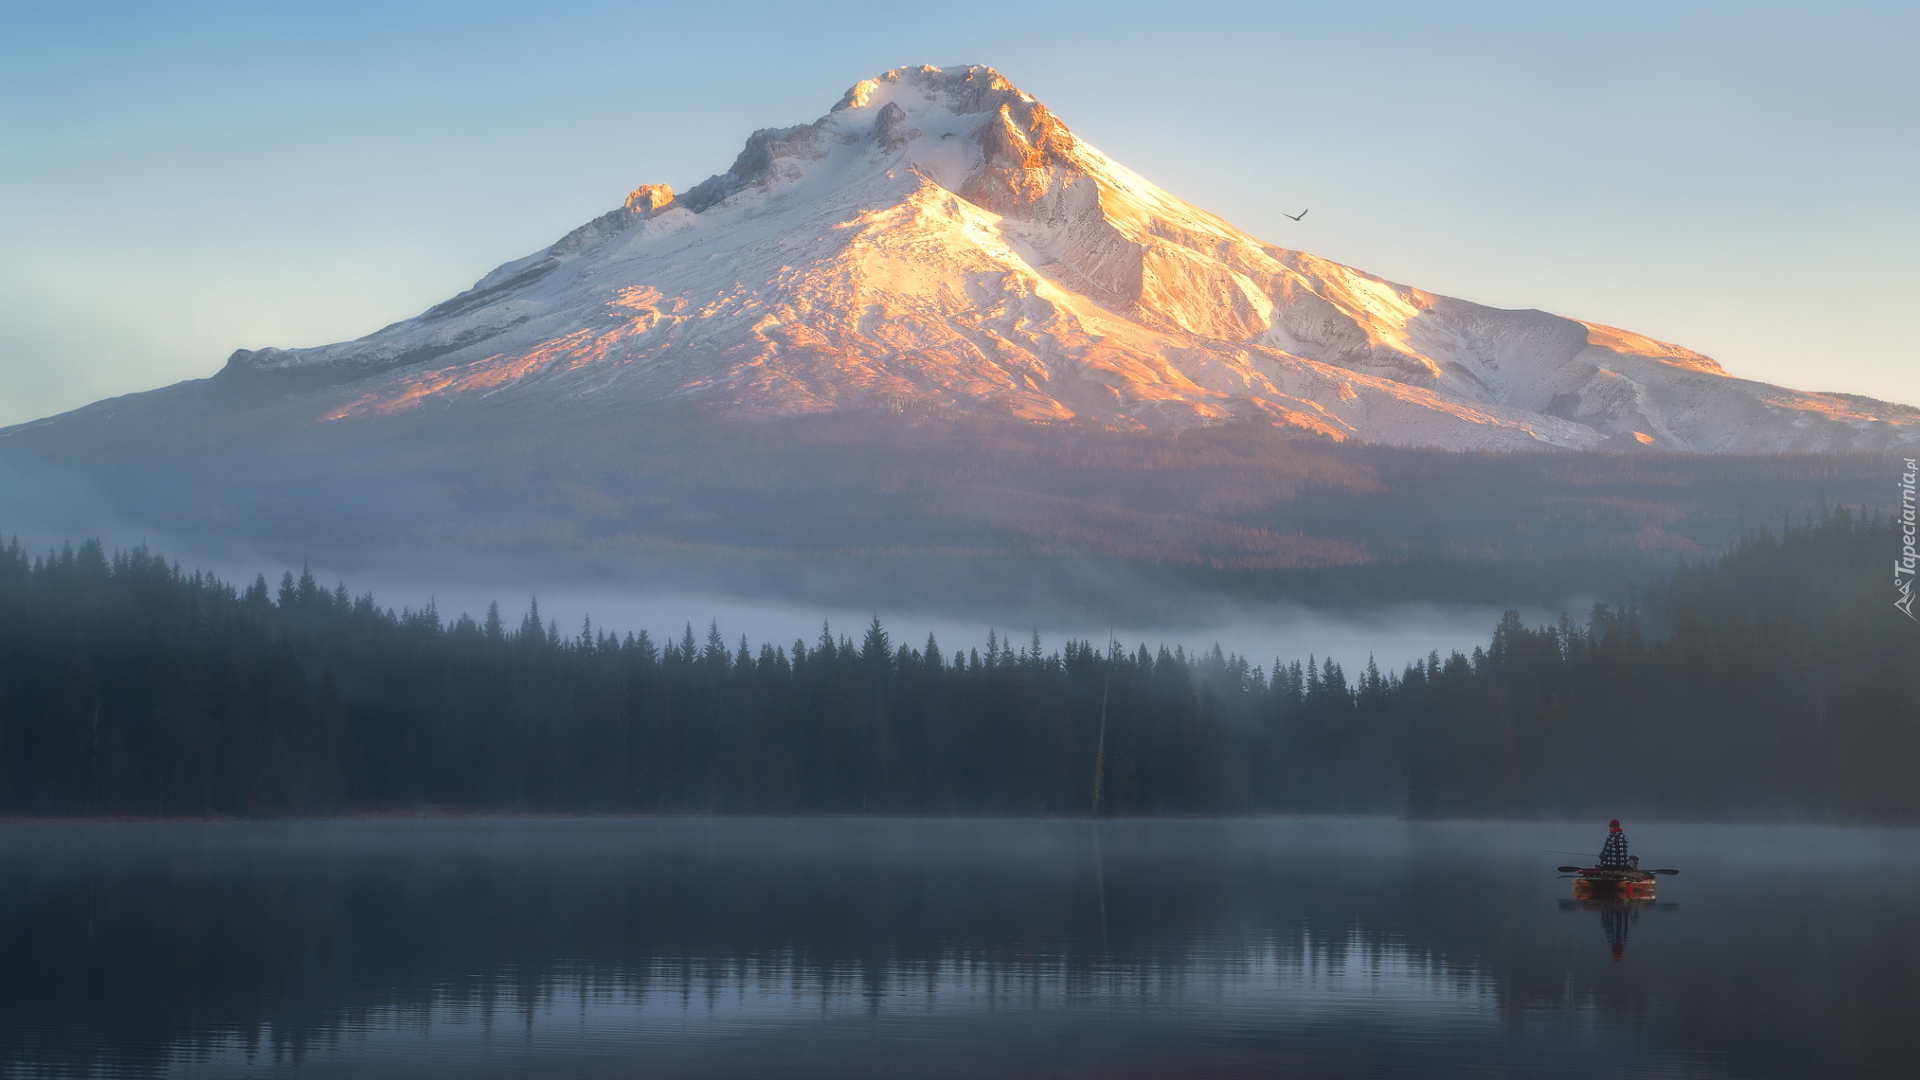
(1774, 680)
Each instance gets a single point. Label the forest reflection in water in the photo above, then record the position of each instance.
(814, 947)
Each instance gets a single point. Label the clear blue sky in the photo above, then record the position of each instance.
(181, 179)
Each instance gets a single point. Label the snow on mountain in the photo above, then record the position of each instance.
(940, 238)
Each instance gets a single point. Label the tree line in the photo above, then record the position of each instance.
(1770, 681)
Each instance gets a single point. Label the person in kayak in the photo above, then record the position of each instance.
(1614, 855)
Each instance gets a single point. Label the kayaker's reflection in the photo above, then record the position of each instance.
(1617, 915)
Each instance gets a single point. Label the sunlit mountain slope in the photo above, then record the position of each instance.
(940, 239)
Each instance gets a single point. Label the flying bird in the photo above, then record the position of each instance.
(1295, 217)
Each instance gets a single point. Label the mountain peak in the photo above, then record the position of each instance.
(941, 239)
(916, 107)
(961, 90)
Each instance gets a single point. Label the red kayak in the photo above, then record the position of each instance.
(1602, 881)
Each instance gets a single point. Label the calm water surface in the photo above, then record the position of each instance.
(821, 948)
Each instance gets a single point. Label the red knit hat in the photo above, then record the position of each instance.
(1614, 825)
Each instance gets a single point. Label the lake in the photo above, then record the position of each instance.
(943, 948)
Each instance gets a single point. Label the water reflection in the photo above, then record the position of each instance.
(879, 948)
(1617, 915)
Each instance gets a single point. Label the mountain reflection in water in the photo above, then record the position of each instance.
(700, 948)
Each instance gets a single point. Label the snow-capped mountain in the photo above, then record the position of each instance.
(940, 238)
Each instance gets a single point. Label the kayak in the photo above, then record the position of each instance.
(1596, 881)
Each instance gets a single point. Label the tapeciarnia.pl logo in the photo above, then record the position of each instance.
(1903, 567)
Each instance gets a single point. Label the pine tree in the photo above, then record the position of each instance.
(876, 649)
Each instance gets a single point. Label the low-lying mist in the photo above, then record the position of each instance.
(1393, 634)
(960, 604)
(957, 599)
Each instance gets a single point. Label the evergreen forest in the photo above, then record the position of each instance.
(1773, 681)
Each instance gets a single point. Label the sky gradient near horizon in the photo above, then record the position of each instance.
(181, 180)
